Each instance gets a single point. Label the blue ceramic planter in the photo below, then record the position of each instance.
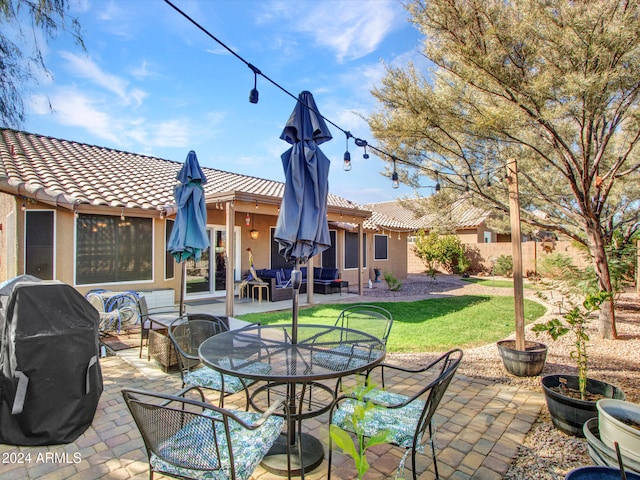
(598, 473)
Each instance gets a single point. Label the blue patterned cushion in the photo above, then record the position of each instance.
(196, 438)
(400, 422)
(209, 378)
(342, 357)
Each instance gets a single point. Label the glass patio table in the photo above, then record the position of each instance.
(322, 352)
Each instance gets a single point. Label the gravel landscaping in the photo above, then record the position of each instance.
(547, 453)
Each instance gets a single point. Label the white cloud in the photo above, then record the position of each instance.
(85, 68)
(76, 109)
(351, 29)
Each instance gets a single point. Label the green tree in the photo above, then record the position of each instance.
(23, 24)
(444, 250)
(553, 85)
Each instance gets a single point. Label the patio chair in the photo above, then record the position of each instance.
(374, 320)
(186, 438)
(406, 419)
(187, 334)
(165, 314)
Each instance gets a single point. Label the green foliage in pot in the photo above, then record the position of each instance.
(344, 441)
(575, 321)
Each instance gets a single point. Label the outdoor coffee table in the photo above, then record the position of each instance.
(321, 352)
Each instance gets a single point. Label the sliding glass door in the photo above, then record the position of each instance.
(207, 277)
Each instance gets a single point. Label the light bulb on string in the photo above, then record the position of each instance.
(346, 165)
(362, 143)
(253, 94)
(395, 182)
(437, 188)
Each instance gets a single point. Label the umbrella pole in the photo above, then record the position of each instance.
(296, 281)
(182, 287)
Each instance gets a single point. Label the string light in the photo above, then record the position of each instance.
(395, 183)
(122, 214)
(347, 156)
(437, 188)
(362, 143)
(253, 94)
(256, 204)
(253, 98)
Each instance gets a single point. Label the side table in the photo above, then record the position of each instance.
(339, 285)
(259, 288)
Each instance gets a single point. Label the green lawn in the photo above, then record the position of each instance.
(491, 282)
(432, 325)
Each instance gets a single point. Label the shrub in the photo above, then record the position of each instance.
(504, 266)
(392, 282)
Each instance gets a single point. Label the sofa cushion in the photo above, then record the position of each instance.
(317, 271)
(329, 274)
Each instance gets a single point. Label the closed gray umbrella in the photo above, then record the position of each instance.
(189, 235)
(302, 229)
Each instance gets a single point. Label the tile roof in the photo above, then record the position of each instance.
(65, 173)
(462, 212)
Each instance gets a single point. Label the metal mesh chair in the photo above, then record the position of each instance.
(374, 320)
(187, 334)
(407, 420)
(186, 438)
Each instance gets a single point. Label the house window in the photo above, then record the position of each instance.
(487, 237)
(381, 247)
(38, 242)
(351, 250)
(277, 260)
(110, 249)
(329, 255)
(169, 263)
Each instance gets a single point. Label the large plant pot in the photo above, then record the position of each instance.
(615, 420)
(523, 363)
(569, 414)
(598, 473)
(600, 453)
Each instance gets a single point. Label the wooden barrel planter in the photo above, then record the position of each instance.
(523, 363)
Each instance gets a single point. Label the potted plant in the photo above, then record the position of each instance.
(619, 421)
(571, 399)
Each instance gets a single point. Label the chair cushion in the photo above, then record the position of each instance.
(342, 357)
(249, 447)
(400, 422)
(208, 378)
(329, 274)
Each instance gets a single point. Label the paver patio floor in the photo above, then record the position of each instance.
(479, 427)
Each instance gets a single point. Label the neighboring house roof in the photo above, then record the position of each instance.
(462, 214)
(69, 174)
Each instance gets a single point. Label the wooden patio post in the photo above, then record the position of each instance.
(516, 245)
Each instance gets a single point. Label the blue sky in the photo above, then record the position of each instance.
(151, 82)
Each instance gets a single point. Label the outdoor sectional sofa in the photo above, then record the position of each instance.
(279, 280)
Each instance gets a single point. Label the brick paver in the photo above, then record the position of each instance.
(479, 426)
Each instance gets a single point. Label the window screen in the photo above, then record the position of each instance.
(381, 251)
(329, 255)
(351, 250)
(277, 260)
(39, 234)
(110, 249)
(169, 263)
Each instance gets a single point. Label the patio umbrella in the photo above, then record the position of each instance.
(302, 230)
(189, 235)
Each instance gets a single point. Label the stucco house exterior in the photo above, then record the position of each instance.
(95, 217)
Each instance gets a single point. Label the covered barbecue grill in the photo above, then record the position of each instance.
(50, 377)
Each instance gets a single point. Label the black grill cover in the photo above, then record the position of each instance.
(51, 379)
